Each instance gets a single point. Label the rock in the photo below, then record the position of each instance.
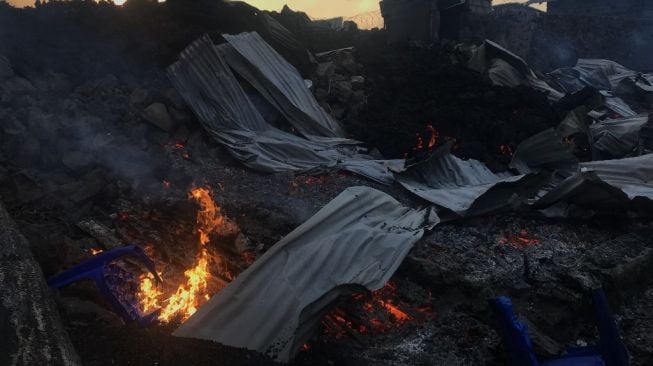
(29, 152)
(76, 160)
(100, 232)
(30, 319)
(358, 82)
(325, 69)
(342, 90)
(12, 126)
(89, 313)
(338, 111)
(172, 97)
(23, 188)
(542, 344)
(181, 134)
(17, 84)
(80, 191)
(321, 94)
(157, 114)
(348, 63)
(139, 96)
(5, 69)
(180, 116)
(359, 96)
(108, 82)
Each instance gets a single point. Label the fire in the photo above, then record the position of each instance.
(185, 301)
(433, 139)
(520, 241)
(382, 309)
(95, 251)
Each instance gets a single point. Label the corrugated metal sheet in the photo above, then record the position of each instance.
(206, 83)
(466, 187)
(280, 83)
(544, 151)
(607, 185)
(358, 239)
(617, 137)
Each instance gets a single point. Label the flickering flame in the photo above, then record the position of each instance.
(433, 139)
(95, 251)
(185, 301)
(383, 311)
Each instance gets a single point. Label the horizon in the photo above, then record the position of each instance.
(314, 8)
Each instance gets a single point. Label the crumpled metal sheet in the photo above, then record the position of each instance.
(544, 150)
(466, 187)
(504, 68)
(205, 81)
(607, 185)
(617, 137)
(280, 83)
(358, 239)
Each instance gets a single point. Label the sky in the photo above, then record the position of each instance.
(315, 8)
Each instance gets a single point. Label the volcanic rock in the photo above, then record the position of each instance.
(157, 114)
(5, 69)
(357, 82)
(139, 96)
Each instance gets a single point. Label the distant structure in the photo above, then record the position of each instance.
(428, 20)
(613, 8)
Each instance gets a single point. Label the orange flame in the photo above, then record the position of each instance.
(95, 251)
(433, 139)
(185, 301)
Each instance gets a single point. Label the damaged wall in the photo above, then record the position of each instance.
(549, 41)
(428, 20)
(633, 8)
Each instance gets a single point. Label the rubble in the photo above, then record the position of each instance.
(82, 171)
(157, 114)
(32, 330)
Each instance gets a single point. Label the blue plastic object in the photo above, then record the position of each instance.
(117, 285)
(609, 352)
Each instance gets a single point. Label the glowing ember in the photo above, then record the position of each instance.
(520, 241)
(505, 150)
(433, 139)
(185, 301)
(382, 310)
(95, 251)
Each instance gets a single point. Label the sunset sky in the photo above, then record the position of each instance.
(314, 8)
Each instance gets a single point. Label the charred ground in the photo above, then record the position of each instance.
(86, 73)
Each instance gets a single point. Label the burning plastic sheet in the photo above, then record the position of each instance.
(358, 239)
(280, 83)
(206, 83)
(466, 187)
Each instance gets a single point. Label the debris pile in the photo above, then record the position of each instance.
(339, 84)
(480, 158)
